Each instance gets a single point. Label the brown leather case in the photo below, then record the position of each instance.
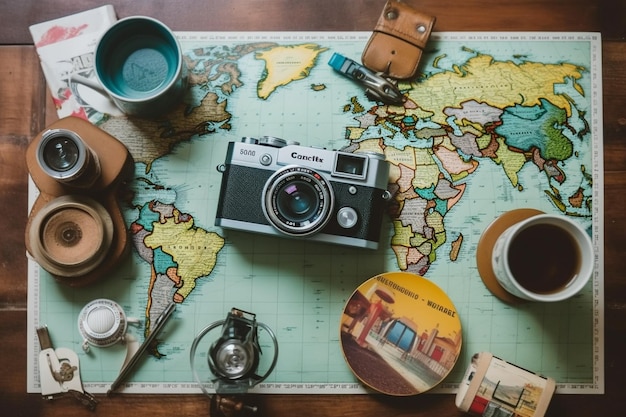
(396, 45)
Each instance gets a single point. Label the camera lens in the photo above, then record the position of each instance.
(233, 359)
(63, 155)
(298, 201)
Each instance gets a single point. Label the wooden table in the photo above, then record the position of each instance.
(26, 109)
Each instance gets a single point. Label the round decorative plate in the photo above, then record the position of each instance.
(400, 334)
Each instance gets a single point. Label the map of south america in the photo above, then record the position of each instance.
(178, 252)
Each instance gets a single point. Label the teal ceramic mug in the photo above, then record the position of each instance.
(138, 63)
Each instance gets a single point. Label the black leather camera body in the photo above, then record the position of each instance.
(275, 187)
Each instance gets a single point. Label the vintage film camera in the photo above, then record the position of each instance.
(75, 228)
(273, 187)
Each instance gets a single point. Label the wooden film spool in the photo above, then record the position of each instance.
(71, 235)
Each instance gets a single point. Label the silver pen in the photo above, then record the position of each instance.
(158, 326)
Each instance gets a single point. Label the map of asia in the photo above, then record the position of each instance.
(494, 122)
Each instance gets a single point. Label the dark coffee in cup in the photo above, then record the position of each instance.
(544, 258)
(547, 257)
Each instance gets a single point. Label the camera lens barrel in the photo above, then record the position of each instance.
(63, 155)
(233, 359)
(298, 201)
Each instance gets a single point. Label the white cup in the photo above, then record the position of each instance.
(543, 258)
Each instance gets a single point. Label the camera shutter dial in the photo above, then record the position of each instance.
(272, 141)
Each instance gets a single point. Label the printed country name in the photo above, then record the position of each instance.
(398, 288)
(190, 247)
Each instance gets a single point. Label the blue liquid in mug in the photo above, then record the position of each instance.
(146, 66)
(138, 65)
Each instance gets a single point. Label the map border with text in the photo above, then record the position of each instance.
(513, 322)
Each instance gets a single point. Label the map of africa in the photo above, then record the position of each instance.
(494, 122)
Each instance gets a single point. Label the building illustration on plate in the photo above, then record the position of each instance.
(414, 331)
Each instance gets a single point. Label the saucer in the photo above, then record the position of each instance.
(485, 248)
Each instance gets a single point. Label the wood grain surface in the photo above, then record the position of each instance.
(26, 108)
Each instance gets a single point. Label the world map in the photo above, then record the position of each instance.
(493, 122)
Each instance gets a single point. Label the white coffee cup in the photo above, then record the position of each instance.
(543, 258)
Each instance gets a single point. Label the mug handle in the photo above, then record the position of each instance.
(95, 85)
(89, 83)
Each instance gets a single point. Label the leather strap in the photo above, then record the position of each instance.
(396, 45)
